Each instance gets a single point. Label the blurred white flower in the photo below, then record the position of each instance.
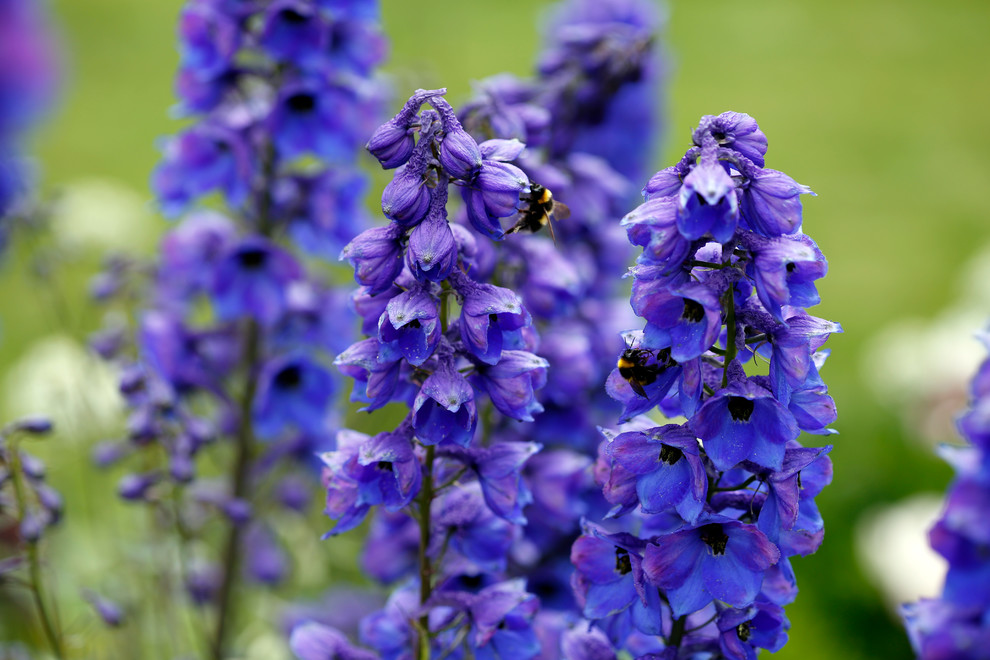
(57, 377)
(102, 214)
(922, 367)
(892, 547)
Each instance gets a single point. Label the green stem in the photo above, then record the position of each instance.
(677, 632)
(425, 567)
(730, 326)
(239, 482)
(34, 563)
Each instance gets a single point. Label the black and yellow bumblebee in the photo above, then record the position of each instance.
(541, 209)
(633, 367)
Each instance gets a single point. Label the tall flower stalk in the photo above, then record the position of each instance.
(442, 473)
(694, 555)
(237, 329)
(956, 624)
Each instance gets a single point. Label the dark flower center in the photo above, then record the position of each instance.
(384, 466)
(701, 200)
(493, 318)
(790, 267)
(252, 258)
(288, 378)
(714, 538)
(743, 631)
(414, 324)
(622, 563)
(292, 16)
(719, 136)
(301, 102)
(670, 455)
(693, 311)
(471, 582)
(740, 408)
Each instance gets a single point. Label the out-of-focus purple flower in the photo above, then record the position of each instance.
(292, 391)
(252, 281)
(109, 612)
(315, 641)
(204, 158)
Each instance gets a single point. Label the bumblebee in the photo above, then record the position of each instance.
(541, 209)
(633, 367)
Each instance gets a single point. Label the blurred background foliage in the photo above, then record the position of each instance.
(875, 104)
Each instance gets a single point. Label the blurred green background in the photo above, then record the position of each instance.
(874, 104)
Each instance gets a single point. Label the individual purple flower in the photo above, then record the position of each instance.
(432, 252)
(771, 203)
(109, 612)
(315, 641)
(392, 143)
(293, 391)
(683, 315)
(666, 465)
(204, 158)
(718, 559)
(785, 270)
(445, 410)
(251, 280)
(609, 578)
(376, 380)
(406, 198)
(653, 226)
(707, 203)
(744, 422)
(376, 255)
(737, 131)
(488, 314)
(742, 631)
(365, 472)
(208, 37)
(410, 325)
(512, 383)
(267, 562)
(294, 30)
(311, 117)
(493, 194)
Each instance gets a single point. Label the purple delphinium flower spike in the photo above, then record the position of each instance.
(278, 97)
(955, 624)
(716, 506)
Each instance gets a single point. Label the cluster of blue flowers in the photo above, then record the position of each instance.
(957, 625)
(492, 568)
(235, 343)
(459, 490)
(28, 76)
(694, 555)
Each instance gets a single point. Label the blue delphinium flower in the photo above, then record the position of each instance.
(956, 624)
(712, 508)
(28, 83)
(238, 331)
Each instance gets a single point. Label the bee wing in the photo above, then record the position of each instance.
(561, 211)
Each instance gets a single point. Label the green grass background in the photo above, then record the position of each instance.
(878, 105)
